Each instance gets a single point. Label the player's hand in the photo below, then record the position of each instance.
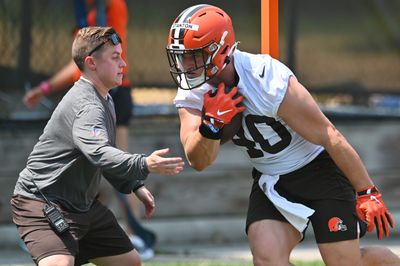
(219, 109)
(145, 196)
(157, 163)
(371, 208)
(33, 97)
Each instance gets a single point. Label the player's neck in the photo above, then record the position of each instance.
(227, 76)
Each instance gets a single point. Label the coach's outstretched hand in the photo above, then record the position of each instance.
(157, 163)
(371, 208)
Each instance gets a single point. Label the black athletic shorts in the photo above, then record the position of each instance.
(92, 234)
(319, 185)
(123, 104)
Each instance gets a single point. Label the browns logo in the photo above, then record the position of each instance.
(335, 224)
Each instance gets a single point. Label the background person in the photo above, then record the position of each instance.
(304, 168)
(76, 149)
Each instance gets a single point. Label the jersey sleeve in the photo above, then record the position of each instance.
(191, 98)
(276, 84)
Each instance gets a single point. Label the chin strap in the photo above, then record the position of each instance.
(228, 57)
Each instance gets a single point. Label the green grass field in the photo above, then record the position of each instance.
(297, 263)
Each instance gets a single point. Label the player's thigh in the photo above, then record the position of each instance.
(272, 239)
(59, 260)
(378, 255)
(341, 253)
(129, 259)
(270, 235)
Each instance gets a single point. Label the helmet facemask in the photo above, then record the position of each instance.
(191, 68)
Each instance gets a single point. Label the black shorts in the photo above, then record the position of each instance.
(92, 234)
(319, 185)
(123, 104)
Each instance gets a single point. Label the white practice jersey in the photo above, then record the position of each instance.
(272, 146)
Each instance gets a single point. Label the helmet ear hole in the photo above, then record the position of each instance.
(227, 59)
(225, 49)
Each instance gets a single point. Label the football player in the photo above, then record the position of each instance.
(304, 169)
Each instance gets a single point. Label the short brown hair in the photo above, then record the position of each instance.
(86, 40)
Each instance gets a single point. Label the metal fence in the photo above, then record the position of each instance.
(338, 45)
(36, 37)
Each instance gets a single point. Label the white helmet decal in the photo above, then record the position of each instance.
(186, 26)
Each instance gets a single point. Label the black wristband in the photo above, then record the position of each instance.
(367, 191)
(138, 184)
(209, 133)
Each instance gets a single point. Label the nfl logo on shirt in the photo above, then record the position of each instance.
(95, 132)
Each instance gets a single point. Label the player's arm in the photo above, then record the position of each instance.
(299, 110)
(201, 132)
(63, 78)
(200, 151)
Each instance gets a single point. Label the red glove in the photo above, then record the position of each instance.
(219, 109)
(371, 208)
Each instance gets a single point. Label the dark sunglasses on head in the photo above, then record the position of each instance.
(114, 38)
